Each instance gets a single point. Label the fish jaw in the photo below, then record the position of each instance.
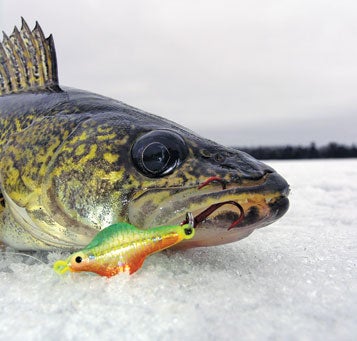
(262, 205)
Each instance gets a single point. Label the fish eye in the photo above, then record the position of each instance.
(158, 153)
(78, 259)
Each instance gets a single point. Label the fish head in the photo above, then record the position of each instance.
(142, 169)
(85, 261)
(81, 261)
(76, 262)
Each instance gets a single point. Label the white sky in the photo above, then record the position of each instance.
(238, 72)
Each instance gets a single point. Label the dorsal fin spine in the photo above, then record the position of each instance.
(39, 54)
(24, 57)
(22, 74)
(17, 64)
(4, 80)
(27, 61)
(9, 64)
(29, 41)
(52, 52)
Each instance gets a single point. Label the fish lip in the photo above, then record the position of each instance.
(279, 207)
(275, 182)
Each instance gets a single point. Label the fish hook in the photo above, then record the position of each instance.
(208, 211)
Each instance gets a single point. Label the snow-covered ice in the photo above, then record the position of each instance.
(293, 280)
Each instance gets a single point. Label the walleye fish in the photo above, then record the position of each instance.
(73, 162)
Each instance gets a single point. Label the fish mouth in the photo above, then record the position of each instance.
(223, 212)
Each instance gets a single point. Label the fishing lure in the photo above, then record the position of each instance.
(123, 247)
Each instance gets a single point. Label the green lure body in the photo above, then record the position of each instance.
(123, 247)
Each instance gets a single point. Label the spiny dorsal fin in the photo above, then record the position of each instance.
(27, 61)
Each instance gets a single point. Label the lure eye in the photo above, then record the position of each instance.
(78, 259)
(188, 231)
(158, 153)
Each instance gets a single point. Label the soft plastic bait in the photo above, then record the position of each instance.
(123, 247)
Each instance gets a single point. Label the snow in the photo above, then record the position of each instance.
(294, 280)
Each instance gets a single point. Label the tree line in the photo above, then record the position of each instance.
(329, 151)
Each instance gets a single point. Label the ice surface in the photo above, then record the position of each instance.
(294, 280)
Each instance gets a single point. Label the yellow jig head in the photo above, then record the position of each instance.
(123, 247)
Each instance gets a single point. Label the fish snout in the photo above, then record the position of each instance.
(276, 183)
(236, 165)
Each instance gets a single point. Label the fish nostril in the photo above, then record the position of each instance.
(205, 153)
(219, 158)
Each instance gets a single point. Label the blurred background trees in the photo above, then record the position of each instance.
(329, 151)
